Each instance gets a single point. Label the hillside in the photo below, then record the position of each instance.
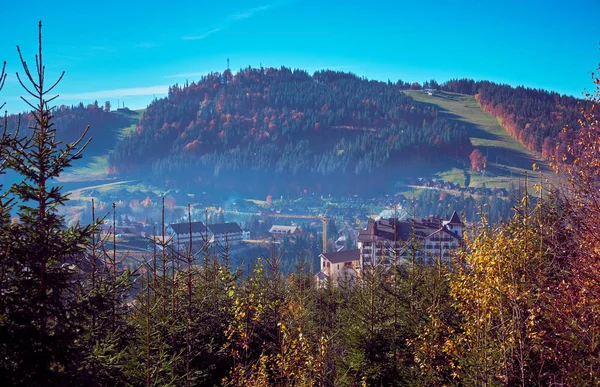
(278, 130)
(264, 131)
(543, 121)
(70, 122)
(94, 166)
(507, 158)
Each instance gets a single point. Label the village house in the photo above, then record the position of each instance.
(226, 234)
(282, 232)
(339, 266)
(221, 233)
(180, 233)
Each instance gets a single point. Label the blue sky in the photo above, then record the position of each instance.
(132, 50)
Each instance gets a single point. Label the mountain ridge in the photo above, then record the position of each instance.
(339, 130)
(287, 130)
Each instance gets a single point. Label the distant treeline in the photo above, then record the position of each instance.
(534, 117)
(433, 202)
(306, 132)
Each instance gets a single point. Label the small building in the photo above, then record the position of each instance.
(181, 233)
(221, 233)
(229, 234)
(282, 232)
(340, 265)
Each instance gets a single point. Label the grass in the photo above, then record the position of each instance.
(95, 168)
(257, 202)
(134, 118)
(409, 192)
(508, 160)
(484, 130)
(78, 194)
(454, 175)
(481, 179)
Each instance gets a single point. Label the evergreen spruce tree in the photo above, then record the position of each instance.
(42, 319)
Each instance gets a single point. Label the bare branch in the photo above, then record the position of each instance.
(2, 75)
(5, 124)
(54, 85)
(52, 99)
(28, 103)
(25, 87)
(75, 143)
(26, 69)
(18, 128)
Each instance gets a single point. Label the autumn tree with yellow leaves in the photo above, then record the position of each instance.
(577, 304)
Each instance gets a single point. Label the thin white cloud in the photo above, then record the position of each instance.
(249, 13)
(229, 20)
(117, 93)
(202, 36)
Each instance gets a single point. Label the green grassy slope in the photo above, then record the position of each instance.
(94, 168)
(507, 158)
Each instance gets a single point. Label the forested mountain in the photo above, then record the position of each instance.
(262, 126)
(534, 117)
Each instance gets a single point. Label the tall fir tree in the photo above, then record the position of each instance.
(43, 322)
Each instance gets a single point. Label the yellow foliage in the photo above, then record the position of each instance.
(495, 289)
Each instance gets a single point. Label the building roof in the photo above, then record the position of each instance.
(222, 228)
(454, 219)
(425, 227)
(342, 256)
(383, 229)
(284, 229)
(184, 228)
(421, 228)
